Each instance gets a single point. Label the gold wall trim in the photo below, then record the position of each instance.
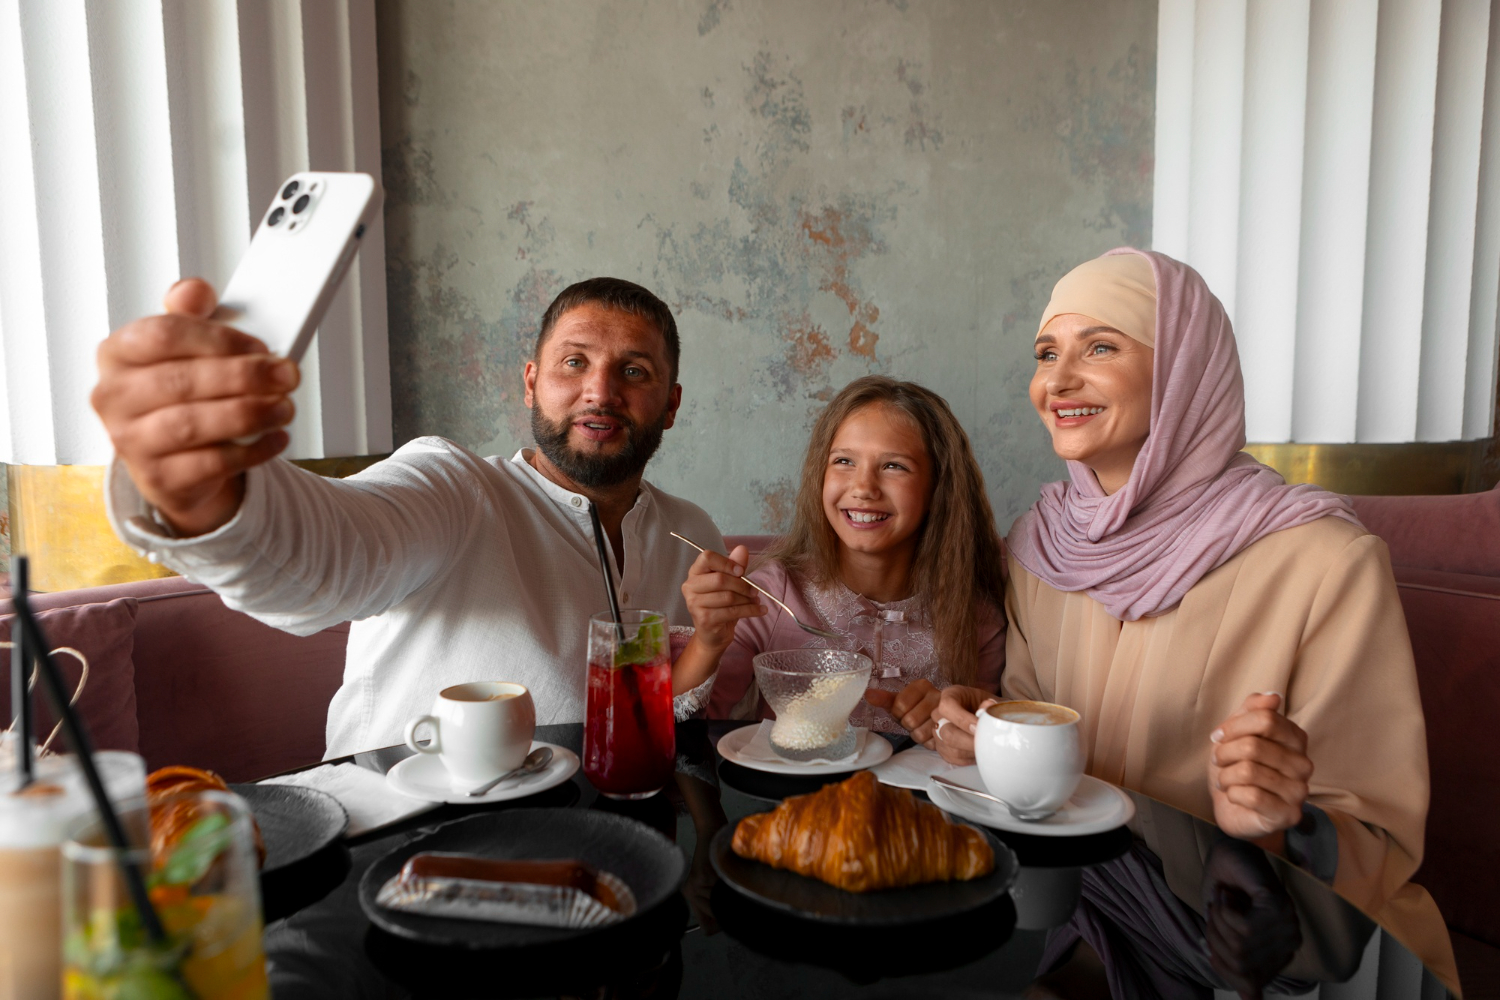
(1384, 469)
(57, 518)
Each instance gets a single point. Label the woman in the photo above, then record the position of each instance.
(1235, 645)
(892, 546)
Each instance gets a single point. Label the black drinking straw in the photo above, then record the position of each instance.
(614, 609)
(609, 579)
(20, 682)
(83, 747)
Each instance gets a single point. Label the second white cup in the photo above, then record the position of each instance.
(480, 730)
(1029, 755)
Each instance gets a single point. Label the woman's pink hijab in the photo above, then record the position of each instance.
(1193, 500)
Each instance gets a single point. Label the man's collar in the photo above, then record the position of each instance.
(562, 496)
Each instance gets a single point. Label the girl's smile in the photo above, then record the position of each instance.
(878, 482)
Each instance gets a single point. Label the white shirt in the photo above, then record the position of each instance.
(453, 568)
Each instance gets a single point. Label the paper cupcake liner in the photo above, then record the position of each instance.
(506, 902)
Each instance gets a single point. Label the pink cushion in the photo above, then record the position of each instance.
(105, 634)
(1456, 534)
(1454, 620)
(220, 690)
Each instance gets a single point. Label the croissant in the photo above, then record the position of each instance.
(172, 816)
(860, 835)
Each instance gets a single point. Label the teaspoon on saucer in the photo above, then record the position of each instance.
(1022, 815)
(534, 762)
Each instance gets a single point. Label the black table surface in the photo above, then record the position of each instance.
(1136, 896)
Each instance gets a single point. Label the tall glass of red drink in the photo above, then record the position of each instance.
(629, 742)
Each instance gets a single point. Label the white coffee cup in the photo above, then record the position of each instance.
(1029, 755)
(479, 730)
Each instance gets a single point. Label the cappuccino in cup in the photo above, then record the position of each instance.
(1029, 755)
(479, 730)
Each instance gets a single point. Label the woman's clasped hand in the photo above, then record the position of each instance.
(1258, 770)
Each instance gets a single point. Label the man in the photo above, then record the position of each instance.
(454, 568)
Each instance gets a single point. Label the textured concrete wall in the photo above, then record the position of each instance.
(820, 190)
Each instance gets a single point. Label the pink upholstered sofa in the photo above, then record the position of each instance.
(185, 680)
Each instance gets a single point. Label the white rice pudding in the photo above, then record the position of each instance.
(818, 716)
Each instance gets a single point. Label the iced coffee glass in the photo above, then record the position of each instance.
(206, 890)
(33, 823)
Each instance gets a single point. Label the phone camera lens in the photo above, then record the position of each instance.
(291, 189)
(275, 216)
(300, 204)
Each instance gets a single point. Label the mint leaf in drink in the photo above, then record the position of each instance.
(195, 851)
(648, 642)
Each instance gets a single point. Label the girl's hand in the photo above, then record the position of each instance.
(911, 706)
(955, 720)
(718, 598)
(1258, 770)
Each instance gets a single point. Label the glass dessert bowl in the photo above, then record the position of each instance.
(812, 692)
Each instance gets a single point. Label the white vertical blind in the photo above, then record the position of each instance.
(1270, 206)
(1406, 56)
(1333, 175)
(144, 138)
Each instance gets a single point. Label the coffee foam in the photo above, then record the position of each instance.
(1033, 713)
(476, 692)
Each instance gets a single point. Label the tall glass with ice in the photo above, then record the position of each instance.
(204, 882)
(629, 742)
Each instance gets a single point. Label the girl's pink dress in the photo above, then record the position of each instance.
(897, 636)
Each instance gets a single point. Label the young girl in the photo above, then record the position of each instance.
(892, 546)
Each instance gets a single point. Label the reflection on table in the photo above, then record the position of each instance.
(1167, 908)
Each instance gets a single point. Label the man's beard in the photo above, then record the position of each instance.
(597, 471)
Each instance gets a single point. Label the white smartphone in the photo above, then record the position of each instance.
(304, 244)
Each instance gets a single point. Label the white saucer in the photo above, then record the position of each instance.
(422, 776)
(1096, 807)
(876, 749)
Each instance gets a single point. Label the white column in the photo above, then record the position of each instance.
(144, 138)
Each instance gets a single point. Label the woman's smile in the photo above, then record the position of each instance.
(1092, 389)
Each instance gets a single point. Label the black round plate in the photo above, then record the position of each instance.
(649, 863)
(815, 900)
(295, 822)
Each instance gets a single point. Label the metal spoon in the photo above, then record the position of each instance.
(800, 623)
(534, 762)
(1022, 815)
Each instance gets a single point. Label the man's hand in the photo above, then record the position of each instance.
(912, 706)
(718, 598)
(175, 391)
(958, 712)
(1258, 770)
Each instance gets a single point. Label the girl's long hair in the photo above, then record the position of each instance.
(958, 564)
